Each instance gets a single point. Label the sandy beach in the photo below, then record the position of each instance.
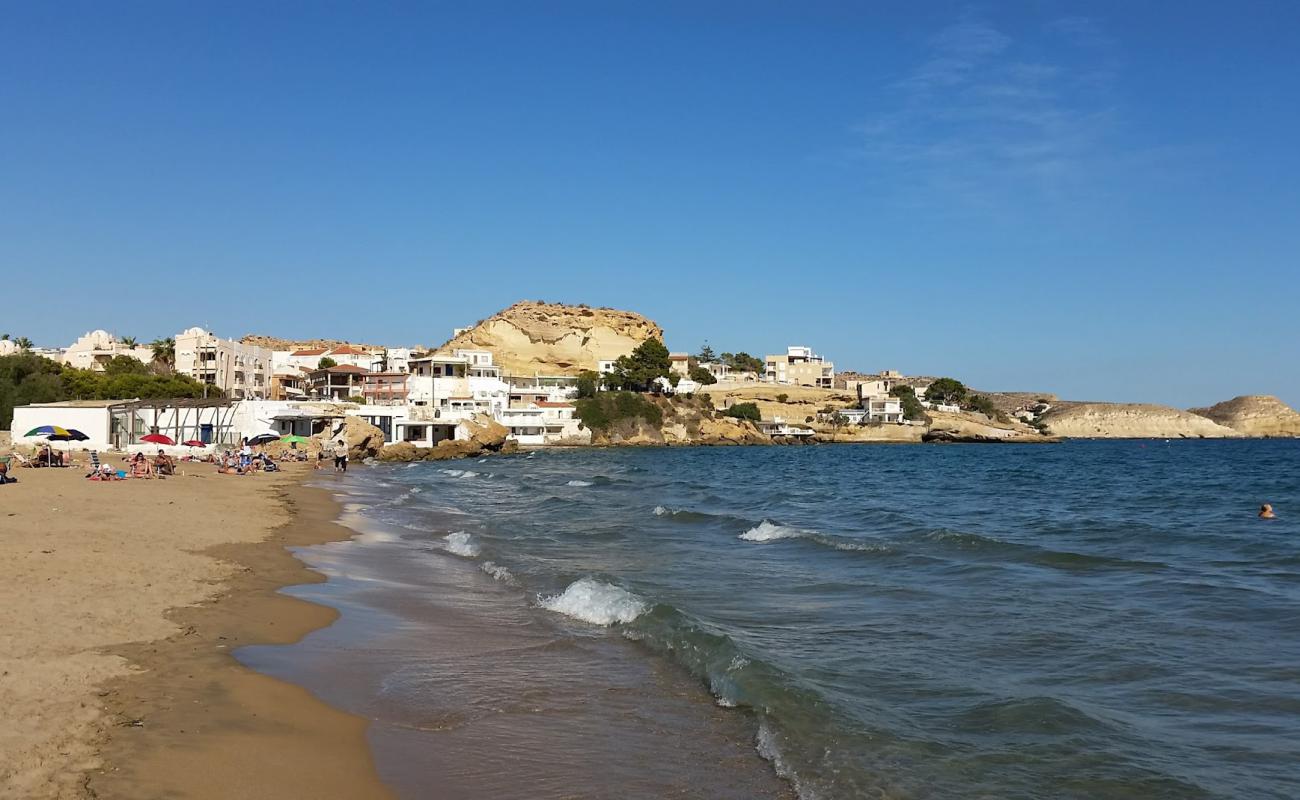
(120, 604)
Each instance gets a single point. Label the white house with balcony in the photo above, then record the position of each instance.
(800, 366)
(95, 349)
(463, 382)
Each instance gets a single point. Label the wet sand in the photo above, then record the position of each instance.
(120, 605)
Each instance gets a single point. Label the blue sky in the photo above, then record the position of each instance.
(1098, 199)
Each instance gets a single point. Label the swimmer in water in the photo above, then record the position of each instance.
(1266, 511)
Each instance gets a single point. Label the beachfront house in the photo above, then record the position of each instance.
(680, 363)
(800, 366)
(384, 388)
(777, 426)
(463, 382)
(339, 383)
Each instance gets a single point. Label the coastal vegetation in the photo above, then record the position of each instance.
(27, 378)
(747, 411)
(912, 408)
(702, 376)
(638, 370)
(607, 409)
(948, 391)
(742, 362)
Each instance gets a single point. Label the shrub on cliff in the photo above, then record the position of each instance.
(638, 370)
(587, 383)
(604, 410)
(985, 406)
(702, 376)
(912, 408)
(946, 390)
(747, 411)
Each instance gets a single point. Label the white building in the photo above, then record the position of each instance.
(464, 382)
(8, 348)
(241, 371)
(800, 366)
(95, 349)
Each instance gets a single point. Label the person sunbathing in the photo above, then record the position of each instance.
(163, 464)
(140, 467)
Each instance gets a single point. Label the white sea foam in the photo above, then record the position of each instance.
(767, 748)
(415, 490)
(462, 544)
(768, 531)
(497, 571)
(469, 473)
(592, 601)
(455, 473)
(665, 511)
(578, 483)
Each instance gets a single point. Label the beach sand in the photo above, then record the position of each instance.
(120, 604)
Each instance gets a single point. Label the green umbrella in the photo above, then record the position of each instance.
(293, 439)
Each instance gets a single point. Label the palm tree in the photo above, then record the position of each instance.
(127, 341)
(4, 337)
(164, 351)
(23, 343)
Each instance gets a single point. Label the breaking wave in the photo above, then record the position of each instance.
(497, 571)
(768, 531)
(462, 544)
(579, 483)
(592, 601)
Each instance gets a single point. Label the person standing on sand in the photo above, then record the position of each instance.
(1266, 511)
(340, 456)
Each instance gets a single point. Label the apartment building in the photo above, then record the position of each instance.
(241, 371)
(800, 366)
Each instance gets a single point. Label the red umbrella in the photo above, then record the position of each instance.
(157, 438)
(194, 443)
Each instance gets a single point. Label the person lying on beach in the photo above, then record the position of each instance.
(1266, 511)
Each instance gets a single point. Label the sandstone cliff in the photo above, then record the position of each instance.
(1254, 415)
(554, 339)
(975, 427)
(1130, 421)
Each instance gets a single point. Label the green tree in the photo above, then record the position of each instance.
(587, 383)
(912, 408)
(125, 365)
(127, 341)
(702, 376)
(706, 355)
(742, 362)
(947, 391)
(747, 411)
(783, 398)
(638, 370)
(23, 343)
(984, 405)
(837, 421)
(326, 362)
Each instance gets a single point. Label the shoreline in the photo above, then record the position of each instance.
(207, 732)
(120, 607)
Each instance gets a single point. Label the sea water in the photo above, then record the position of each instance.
(1082, 620)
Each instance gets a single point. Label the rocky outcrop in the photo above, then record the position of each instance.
(1130, 421)
(363, 439)
(552, 339)
(971, 427)
(479, 436)
(1254, 415)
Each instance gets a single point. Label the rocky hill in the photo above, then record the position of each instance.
(554, 339)
(276, 343)
(1254, 415)
(1130, 421)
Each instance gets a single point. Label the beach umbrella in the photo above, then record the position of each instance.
(52, 433)
(264, 438)
(157, 438)
(294, 439)
(194, 443)
(76, 435)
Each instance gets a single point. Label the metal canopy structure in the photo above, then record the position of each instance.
(206, 419)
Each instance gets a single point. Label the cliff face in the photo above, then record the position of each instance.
(1254, 415)
(554, 339)
(1130, 421)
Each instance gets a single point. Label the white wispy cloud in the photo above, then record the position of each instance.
(983, 121)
